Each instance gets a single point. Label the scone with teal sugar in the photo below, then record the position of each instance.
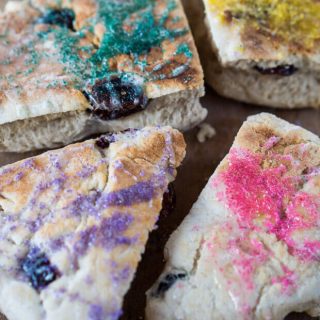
(74, 223)
(250, 247)
(73, 68)
(260, 51)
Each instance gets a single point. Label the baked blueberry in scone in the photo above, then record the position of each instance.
(250, 247)
(73, 68)
(260, 51)
(75, 221)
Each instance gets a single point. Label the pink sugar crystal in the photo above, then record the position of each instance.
(287, 280)
(271, 142)
(268, 200)
(269, 196)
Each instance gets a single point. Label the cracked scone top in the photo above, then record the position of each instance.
(74, 223)
(250, 248)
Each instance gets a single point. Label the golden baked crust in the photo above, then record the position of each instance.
(49, 61)
(89, 208)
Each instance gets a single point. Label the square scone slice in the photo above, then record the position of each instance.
(74, 223)
(73, 68)
(263, 52)
(250, 247)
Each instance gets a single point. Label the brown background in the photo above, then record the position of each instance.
(226, 116)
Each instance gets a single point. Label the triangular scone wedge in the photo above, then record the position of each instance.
(250, 248)
(74, 223)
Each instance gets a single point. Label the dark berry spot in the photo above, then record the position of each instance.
(58, 17)
(116, 97)
(104, 141)
(38, 269)
(284, 70)
(131, 130)
(167, 282)
(228, 16)
(169, 200)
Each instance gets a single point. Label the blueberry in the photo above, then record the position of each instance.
(284, 70)
(104, 142)
(116, 97)
(167, 282)
(59, 17)
(38, 269)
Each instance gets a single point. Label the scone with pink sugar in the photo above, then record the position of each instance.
(250, 248)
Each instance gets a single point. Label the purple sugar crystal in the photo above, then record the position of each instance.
(54, 159)
(96, 312)
(18, 176)
(86, 204)
(108, 234)
(86, 171)
(120, 275)
(140, 192)
(94, 203)
(29, 163)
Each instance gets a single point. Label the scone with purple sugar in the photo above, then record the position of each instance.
(250, 248)
(74, 223)
(73, 68)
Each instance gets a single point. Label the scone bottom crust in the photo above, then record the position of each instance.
(260, 238)
(115, 54)
(75, 221)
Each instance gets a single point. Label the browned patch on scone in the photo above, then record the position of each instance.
(152, 150)
(258, 43)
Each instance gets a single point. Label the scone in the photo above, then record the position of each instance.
(73, 68)
(263, 52)
(250, 248)
(74, 223)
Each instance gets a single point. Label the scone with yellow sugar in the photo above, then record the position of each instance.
(261, 51)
